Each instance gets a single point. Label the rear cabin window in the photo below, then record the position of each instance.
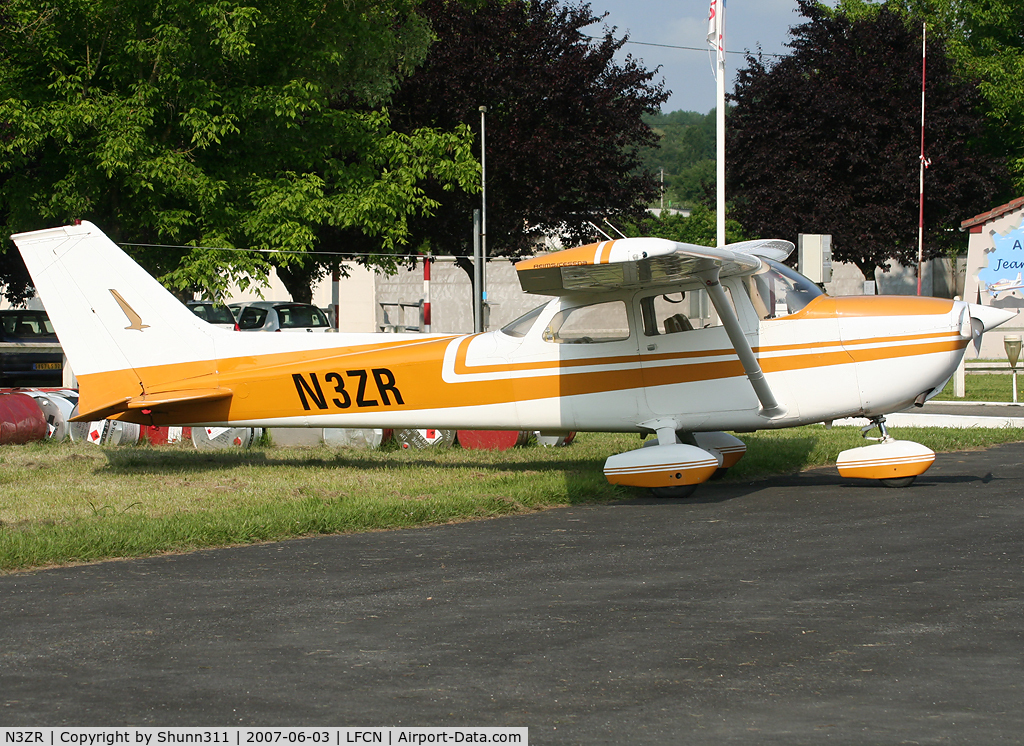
(252, 317)
(300, 317)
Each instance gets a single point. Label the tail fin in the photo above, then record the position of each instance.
(123, 333)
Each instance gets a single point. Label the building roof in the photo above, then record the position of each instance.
(995, 212)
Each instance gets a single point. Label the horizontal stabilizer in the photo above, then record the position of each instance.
(164, 401)
(100, 411)
(166, 398)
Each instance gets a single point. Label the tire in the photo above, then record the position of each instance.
(898, 482)
(684, 490)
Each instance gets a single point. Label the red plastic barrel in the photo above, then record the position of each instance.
(492, 440)
(21, 419)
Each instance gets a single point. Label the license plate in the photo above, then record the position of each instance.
(46, 366)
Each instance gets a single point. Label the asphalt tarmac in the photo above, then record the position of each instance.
(797, 610)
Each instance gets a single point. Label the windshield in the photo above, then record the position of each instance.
(524, 323)
(776, 290)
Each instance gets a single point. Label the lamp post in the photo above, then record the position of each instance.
(483, 213)
(478, 276)
(1011, 343)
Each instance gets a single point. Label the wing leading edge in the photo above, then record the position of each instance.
(640, 262)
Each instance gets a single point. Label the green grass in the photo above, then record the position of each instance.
(985, 387)
(72, 502)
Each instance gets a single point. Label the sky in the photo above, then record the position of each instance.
(688, 74)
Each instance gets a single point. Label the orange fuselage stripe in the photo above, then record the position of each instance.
(266, 387)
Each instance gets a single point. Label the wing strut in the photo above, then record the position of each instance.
(769, 406)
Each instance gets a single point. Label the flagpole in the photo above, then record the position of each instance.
(920, 216)
(720, 155)
(716, 35)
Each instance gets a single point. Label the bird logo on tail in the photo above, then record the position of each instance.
(133, 317)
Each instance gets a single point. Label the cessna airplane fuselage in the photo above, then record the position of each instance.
(644, 335)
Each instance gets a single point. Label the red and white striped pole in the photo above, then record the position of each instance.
(924, 165)
(426, 294)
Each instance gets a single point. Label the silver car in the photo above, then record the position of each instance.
(279, 316)
(216, 314)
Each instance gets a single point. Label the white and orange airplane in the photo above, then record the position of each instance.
(643, 335)
(1004, 286)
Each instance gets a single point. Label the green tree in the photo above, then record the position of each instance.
(565, 122)
(257, 124)
(826, 140)
(564, 129)
(986, 39)
(685, 153)
(699, 227)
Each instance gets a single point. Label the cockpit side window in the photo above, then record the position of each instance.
(671, 313)
(591, 324)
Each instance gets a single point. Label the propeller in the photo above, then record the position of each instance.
(982, 318)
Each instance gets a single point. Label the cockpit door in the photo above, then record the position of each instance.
(689, 364)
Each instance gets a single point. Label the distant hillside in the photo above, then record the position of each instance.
(687, 154)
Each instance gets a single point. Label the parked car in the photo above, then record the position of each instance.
(29, 367)
(277, 316)
(213, 313)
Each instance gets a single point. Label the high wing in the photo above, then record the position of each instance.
(641, 262)
(655, 262)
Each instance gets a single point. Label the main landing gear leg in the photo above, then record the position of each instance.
(668, 436)
(666, 466)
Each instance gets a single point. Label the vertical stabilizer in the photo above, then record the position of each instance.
(114, 321)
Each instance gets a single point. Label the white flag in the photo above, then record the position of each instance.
(716, 27)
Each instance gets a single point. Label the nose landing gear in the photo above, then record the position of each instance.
(894, 463)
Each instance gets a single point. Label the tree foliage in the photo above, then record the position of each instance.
(686, 153)
(564, 121)
(827, 140)
(699, 227)
(234, 123)
(987, 41)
